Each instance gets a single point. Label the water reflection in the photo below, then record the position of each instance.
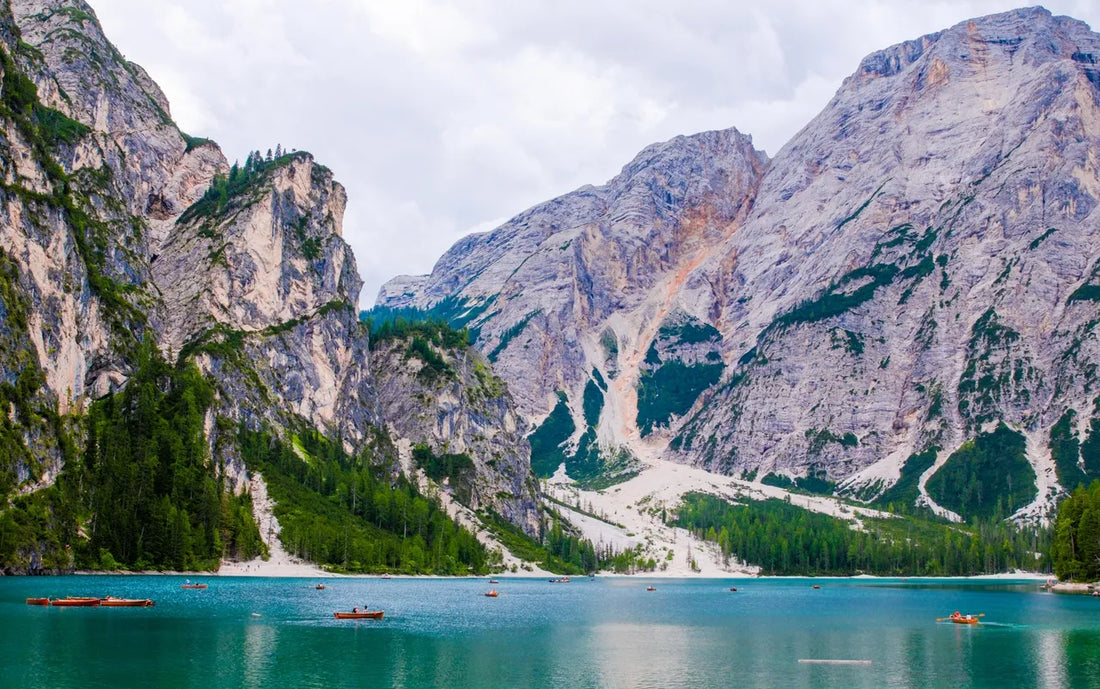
(633, 655)
(260, 641)
(1050, 659)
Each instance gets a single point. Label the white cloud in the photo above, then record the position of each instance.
(440, 115)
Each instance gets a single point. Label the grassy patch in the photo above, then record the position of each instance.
(901, 496)
(988, 477)
(671, 390)
(508, 335)
(547, 453)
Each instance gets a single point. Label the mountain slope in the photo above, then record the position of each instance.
(936, 221)
(913, 268)
(585, 281)
(123, 237)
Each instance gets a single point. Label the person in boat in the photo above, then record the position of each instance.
(355, 609)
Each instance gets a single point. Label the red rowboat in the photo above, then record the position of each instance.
(38, 601)
(192, 586)
(368, 615)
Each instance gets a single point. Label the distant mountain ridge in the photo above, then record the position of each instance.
(916, 267)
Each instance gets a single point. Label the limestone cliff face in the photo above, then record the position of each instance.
(910, 272)
(75, 234)
(263, 287)
(460, 408)
(585, 281)
(916, 265)
(120, 227)
(126, 168)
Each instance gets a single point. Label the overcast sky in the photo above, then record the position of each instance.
(443, 117)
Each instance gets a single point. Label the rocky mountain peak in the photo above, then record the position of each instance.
(898, 278)
(102, 89)
(124, 232)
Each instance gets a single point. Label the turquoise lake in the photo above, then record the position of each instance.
(605, 632)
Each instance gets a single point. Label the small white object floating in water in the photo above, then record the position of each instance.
(825, 661)
(255, 614)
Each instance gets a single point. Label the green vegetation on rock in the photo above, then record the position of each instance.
(990, 378)
(389, 325)
(590, 466)
(457, 312)
(690, 332)
(144, 494)
(563, 551)
(241, 181)
(508, 335)
(1065, 450)
(988, 477)
(353, 514)
(457, 469)
(902, 496)
(547, 453)
(45, 131)
(1090, 448)
(157, 499)
(839, 297)
(670, 390)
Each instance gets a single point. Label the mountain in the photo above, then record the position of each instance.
(899, 307)
(131, 251)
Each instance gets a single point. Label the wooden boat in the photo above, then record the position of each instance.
(365, 615)
(192, 586)
(650, 588)
(733, 588)
(492, 594)
(71, 602)
(112, 602)
(816, 586)
(493, 581)
(38, 601)
(320, 587)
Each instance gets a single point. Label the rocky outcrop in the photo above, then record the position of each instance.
(261, 286)
(586, 280)
(908, 272)
(915, 266)
(123, 164)
(119, 227)
(455, 405)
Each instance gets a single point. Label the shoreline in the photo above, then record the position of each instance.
(303, 571)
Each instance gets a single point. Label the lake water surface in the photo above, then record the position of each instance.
(605, 632)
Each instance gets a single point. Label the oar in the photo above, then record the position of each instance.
(941, 619)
